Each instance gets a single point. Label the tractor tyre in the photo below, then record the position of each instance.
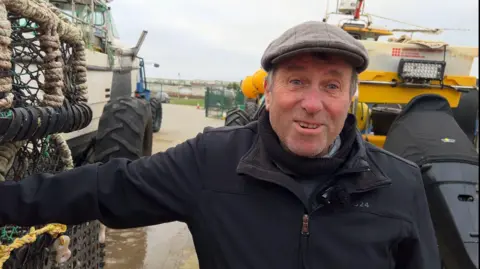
(257, 113)
(236, 117)
(157, 114)
(125, 130)
(251, 107)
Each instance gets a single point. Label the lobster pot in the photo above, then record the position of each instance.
(427, 133)
(86, 251)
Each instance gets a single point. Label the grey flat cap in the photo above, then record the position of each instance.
(316, 36)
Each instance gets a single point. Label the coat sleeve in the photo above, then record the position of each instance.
(419, 250)
(119, 193)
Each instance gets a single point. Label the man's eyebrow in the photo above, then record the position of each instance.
(334, 73)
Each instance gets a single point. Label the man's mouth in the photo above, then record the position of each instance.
(308, 125)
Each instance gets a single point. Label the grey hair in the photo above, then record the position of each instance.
(353, 81)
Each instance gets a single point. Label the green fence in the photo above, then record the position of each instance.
(220, 100)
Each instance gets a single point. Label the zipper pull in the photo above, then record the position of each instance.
(305, 222)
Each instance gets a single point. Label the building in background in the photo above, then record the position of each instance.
(185, 88)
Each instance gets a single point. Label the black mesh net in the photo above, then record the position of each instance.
(44, 156)
(70, 91)
(38, 154)
(86, 251)
(26, 59)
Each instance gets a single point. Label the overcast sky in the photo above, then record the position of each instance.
(225, 39)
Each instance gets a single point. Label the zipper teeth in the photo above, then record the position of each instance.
(305, 223)
(304, 240)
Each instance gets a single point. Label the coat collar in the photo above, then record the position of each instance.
(358, 174)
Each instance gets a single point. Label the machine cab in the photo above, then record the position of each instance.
(94, 18)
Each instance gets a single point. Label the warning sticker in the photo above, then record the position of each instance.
(408, 53)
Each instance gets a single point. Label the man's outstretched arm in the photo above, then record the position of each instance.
(119, 193)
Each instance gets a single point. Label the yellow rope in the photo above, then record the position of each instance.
(53, 229)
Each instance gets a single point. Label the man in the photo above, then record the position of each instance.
(298, 188)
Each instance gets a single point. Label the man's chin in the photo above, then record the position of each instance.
(307, 150)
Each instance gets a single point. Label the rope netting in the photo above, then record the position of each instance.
(48, 54)
(43, 92)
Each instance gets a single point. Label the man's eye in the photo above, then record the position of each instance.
(332, 86)
(296, 82)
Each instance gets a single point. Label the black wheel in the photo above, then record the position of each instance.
(251, 107)
(157, 114)
(125, 130)
(88, 155)
(236, 117)
(258, 112)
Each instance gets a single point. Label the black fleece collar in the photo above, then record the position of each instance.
(304, 166)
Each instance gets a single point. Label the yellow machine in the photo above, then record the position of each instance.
(405, 69)
(401, 69)
(259, 81)
(401, 72)
(248, 89)
(253, 86)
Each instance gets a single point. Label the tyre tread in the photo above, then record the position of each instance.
(121, 129)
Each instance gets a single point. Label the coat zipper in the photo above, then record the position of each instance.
(304, 240)
(305, 232)
(305, 223)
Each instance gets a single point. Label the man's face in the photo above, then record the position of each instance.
(309, 101)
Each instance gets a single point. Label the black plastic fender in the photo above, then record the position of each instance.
(452, 195)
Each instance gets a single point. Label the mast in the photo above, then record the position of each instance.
(358, 10)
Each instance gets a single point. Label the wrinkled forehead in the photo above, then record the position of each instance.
(315, 59)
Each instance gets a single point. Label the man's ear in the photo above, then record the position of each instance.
(268, 95)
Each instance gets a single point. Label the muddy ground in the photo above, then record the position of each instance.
(166, 246)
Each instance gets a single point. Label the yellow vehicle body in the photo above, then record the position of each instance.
(248, 89)
(362, 113)
(259, 80)
(381, 83)
(386, 94)
(253, 86)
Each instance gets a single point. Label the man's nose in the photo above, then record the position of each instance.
(312, 101)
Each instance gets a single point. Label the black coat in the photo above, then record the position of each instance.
(241, 210)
